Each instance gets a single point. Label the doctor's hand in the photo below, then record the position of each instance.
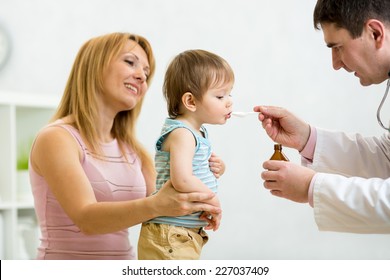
(283, 127)
(287, 180)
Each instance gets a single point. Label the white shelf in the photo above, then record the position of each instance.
(28, 99)
(21, 115)
(17, 205)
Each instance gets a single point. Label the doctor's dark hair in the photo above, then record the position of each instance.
(194, 71)
(350, 14)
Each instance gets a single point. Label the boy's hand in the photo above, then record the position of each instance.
(217, 166)
(213, 220)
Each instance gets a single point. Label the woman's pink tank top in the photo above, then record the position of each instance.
(112, 179)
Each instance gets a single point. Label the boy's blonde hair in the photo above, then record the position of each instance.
(193, 71)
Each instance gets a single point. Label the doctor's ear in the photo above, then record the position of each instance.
(189, 101)
(377, 29)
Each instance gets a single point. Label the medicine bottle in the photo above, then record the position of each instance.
(278, 154)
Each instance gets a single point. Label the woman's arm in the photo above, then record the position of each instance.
(56, 156)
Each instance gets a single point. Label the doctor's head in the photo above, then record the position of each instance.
(358, 33)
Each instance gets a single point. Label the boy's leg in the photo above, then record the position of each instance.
(166, 242)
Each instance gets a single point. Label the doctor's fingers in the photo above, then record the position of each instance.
(274, 188)
(274, 165)
(274, 172)
(273, 185)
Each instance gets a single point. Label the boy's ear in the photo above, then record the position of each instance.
(189, 101)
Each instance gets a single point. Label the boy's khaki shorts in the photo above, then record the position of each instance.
(167, 242)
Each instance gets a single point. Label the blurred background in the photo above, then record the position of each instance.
(278, 58)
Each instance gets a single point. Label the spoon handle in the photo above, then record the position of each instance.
(243, 114)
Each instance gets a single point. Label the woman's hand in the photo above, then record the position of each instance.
(217, 166)
(169, 202)
(283, 127)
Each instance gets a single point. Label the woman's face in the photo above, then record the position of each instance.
(124, 82)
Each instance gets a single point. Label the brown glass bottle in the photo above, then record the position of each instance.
(278, 154)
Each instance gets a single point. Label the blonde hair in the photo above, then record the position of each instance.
(193, 71)
(86, 80)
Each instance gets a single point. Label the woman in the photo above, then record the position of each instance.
(90, 175)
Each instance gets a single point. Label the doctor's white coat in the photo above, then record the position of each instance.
(352, 189)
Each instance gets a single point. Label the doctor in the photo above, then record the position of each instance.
(345, 178)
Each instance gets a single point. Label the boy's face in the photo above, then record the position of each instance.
(216, 105)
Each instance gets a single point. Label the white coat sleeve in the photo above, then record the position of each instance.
(351, 204)
(351, 192)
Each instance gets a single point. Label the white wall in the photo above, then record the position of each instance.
(278, 58)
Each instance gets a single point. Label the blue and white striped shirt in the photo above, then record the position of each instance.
(200, 167)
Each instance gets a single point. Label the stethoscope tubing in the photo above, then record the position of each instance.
(378, 112)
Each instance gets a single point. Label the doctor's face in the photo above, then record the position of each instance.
(358, 56)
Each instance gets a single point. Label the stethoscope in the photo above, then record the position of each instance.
(378, 117)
